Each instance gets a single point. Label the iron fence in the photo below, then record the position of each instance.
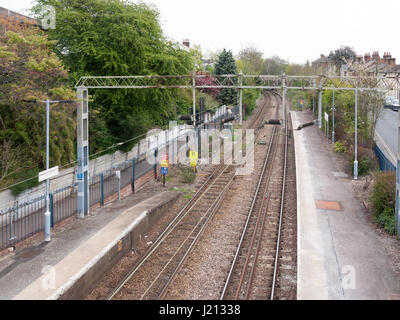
(25, 219)
(22, 221)
(384, 162)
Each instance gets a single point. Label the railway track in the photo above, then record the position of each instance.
(259, 265)
(154, 273)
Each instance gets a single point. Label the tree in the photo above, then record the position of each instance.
(251, 60)
(341, 56)
(224, 66)
(274, 65)
(29, 70)
(116, 38)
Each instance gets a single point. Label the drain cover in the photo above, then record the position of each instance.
(328, 205)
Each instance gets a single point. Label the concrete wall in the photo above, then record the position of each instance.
(102, 164)
(85, 284)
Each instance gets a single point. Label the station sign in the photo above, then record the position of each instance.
(164, 170)
(164, 160)
(47, 174)
(193, 158)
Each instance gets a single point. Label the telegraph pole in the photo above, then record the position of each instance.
(240, 97)
(355, 138)
(333, 116)
(320, 105)
(398, 179)
(284, 99)
(194, 98)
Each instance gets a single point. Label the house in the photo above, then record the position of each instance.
(374, 65)
(7, 13)
(324, 65)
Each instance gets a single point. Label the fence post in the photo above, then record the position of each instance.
(102, 189)
(51, 205)
(155, 163)
(11, 216)
(133, 175)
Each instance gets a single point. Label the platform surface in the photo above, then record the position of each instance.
(340, 256)
(47, 270)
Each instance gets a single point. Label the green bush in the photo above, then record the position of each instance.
(21, 187)
(383, 200)
(188, 175)
(367, 161)
(387, 221)
(340, 147)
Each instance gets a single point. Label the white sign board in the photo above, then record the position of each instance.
(47, 174)
(326, 117)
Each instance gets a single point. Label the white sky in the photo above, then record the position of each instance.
(294, 30)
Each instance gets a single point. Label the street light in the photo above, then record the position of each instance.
(47, 215)
(333, 116)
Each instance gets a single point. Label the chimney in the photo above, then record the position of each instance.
(387, 58)
(186, 43)
(376, 56)
(367, 57)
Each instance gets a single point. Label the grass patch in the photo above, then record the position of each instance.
(188, 175)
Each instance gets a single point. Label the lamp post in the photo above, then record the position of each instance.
(355, 138)
(47, 214)
(333, 116)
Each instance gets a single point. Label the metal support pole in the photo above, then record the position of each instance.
(320, 106)
(240, 97)
(102, 189)
(333, 117)
(119, 185)
(83, 152)
(133, 175)
(313, 105)
(355, 138)
(284, 101)
(397, 212)
(47, 215)
(155, 163)
(51, 198)
(194, 98)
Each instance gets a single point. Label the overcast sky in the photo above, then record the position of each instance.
(294, 30)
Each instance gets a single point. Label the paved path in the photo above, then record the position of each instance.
(340, 256)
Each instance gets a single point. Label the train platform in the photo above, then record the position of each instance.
(68, 265)
(340, 255)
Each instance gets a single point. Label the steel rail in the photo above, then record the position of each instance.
(171, 226)
(280, 218)
(183, 242)
(199, 234)
(248, 217)
(210, 216)
(260, 216)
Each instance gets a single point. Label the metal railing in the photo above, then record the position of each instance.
(384, 163)
(26, 218)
